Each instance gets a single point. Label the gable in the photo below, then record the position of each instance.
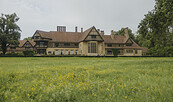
(93, 35)
(27, 44)
(36, 35)
(129, 41)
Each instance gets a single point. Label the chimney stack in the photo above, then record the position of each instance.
(61, 28)
(112, 34)
(102, 32)
(126, 32)
(81, 29)
(98, 30)
(76, 29)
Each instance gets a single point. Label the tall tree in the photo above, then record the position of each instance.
(156, 29)
(122, 32)
(9, 31)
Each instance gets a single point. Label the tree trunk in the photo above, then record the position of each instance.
(4, 48)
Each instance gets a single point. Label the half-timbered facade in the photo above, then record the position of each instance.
(91, 42)
(23, 45)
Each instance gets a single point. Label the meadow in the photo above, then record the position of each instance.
(84, 79)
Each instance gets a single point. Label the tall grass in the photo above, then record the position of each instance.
(86, 79)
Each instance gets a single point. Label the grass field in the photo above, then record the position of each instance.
(86, 79)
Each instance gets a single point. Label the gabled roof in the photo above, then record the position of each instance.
(22, 42)
(32, 43)
(117, 39)
(76, 37)
(43, 34)
(65, 36)
(85, 33)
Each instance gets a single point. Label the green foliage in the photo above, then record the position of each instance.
(63, 79)
(9, 31)
(131, 35)
(115, 52)
(28, 53)
(156, 29)
(28, 38)
(122, 32)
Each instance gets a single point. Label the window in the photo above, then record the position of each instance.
(41, 43)
(76, 52)
(12, 47)
(66, 52)
(49, 52)
(128, 44)
(76, 44)
(56, 52)
(66, 44)
(27, 48)
(109, 52)
(36, 37)
(136, 51)
(119, 52)
(27, 44)
(92, 48)
(41, 51)
(121, 45)
(93, 36)
(129, 51)
(109, 45)
(56, 44)
(71, 52)
(61, 52)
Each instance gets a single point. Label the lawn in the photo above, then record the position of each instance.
(46, 79)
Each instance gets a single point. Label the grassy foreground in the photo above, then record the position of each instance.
(86, 79)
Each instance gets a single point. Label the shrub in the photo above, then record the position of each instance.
(12, 54)
(28, 53)
(115, 52)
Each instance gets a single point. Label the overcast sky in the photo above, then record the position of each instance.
(106, 15)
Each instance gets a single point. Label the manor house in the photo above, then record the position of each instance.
(91, 42)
